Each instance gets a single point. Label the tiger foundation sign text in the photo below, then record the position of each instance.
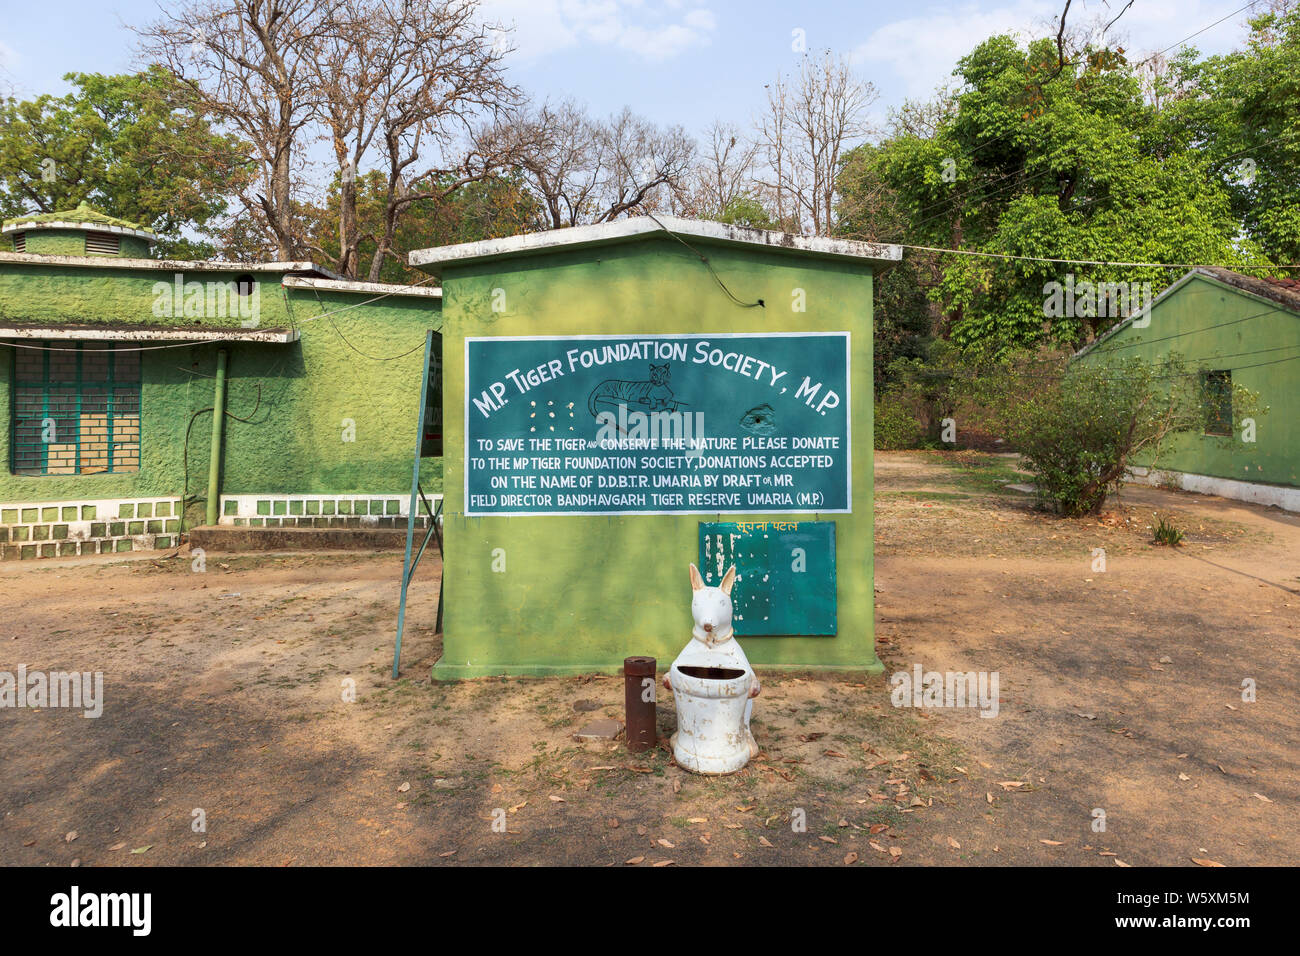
(658, 424)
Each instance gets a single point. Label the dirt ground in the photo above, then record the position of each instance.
(1120, 691)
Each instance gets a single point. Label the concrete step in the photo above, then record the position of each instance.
(227, 538)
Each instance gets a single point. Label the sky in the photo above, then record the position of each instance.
(674, 61)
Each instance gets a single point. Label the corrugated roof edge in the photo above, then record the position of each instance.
(368, 288)
(640, 226)
(141, 333)
(1247, 285)
(89, 226)
(167, 265)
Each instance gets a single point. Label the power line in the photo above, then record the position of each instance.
(1196, 34)
(334, 325)
(1112, 375)
(1176, 335)
(757, 303)
(1093, 262)
(1056, 362)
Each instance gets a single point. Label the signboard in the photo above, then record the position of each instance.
(785, 574)
(657, 424)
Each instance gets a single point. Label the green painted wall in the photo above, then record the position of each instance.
(54, 242)
(72, 242)
(1260, 345)
(581, 593)
(134, 248)
(294, 443)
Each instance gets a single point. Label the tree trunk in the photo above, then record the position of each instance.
(280, 215)
(348, 242)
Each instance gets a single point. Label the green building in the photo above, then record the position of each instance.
(111, 364)
(1238, 330)
(626, 398)
(619, 400)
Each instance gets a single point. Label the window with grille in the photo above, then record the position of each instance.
(20, 242)
(102, 244)
(1216, 388)
(75, 412)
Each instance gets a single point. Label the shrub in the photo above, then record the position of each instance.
(1165, 533)
(896, 423)
(1079, 429)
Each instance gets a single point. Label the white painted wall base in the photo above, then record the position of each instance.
(1285, 498)
(289, 510)
(49, 529)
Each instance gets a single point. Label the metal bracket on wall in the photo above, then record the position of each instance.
(409, 564)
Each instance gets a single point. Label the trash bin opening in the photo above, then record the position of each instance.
(712, 673)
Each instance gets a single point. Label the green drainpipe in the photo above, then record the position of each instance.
(218, 420)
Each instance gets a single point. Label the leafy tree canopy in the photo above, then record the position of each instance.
(1245, 117)
(1038, 158)
(489, 208)
(132, 146)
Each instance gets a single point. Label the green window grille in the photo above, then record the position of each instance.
(1216, 387)
(75, 411)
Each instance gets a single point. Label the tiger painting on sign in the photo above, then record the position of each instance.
(653, 392)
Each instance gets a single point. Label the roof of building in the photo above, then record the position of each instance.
(302, 274)
(623, 230)
(123, 332)
(1285, 292)
(1282, 292)
(168, 265)
(83, 217)
(354, 285)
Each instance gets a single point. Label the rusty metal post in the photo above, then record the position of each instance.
(639, 692)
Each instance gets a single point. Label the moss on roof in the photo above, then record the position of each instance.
(83, 215)
(1285, 292)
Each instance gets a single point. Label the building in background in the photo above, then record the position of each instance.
(1236, 330)
(111, 363)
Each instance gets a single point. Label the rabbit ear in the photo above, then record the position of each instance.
(728, 580)
(697, 582)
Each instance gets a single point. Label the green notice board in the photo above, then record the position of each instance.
(785, 573)
(658, 424)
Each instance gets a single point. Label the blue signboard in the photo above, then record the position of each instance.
(785, 573)
(657, 424)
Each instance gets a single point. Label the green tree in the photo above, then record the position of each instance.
(905, 321)
(746, 211)
(489, 208)
(1035, 158)
(132, 146)
(1246, 120)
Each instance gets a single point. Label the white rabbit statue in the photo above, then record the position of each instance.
(713, 686)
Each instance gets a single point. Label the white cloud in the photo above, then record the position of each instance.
(653, 32)
(923, 49)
